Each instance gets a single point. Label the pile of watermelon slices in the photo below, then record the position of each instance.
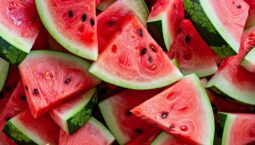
(127, 72)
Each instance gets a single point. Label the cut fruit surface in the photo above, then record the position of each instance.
(74, 114)
(191, 52)
(116, 112)
(111, 20)
(134, 60)
(164, 20)
(234, 81)
(50, 77)
(19, 27)
(235, 129)
(183, 110)
(72, 23)
(209, 17)
(92, 133)
(24, 129)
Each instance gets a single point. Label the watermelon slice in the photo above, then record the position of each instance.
(234, 81)
(249, 61)
(164, 20)
(51, 77)
(235, 129)
(24, 129)
(183, 110)
(4, 67)
(19, 27)
(74, 114)
(72, 23)
(15, 105)
(111, 20)
(191, 57)
(134, 60)
(251, 21)
(167, 139)
(115, 110)
(92, 133)
(145, 138)
(219, 22)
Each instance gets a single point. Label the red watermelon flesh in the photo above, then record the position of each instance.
(15, 105)
(183, 109)
(242, 129)
(119, 119)
(93, 133)
(11, 82)
(22, 16)
(50, 77)
(191, 52)
(145, 138)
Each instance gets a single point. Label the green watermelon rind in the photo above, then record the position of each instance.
(103, 130)
(17, 131)
(4, 68)
(201, 72)
(77, 116)
(75, 48)
(207, 30)
(249, 61)
(220, 83)
(161, 139)
(105, 4)
(136, 85)
(110, 120)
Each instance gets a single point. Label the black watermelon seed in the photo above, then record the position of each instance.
(238, 6)
(23, 98)
(153, 48)
(128, 113)
(171, 127)
(150, 59)
(164, 115)
(144, 50)
(140, 32)
(7, 118)
(67, 81)
(35, 92)
(70, 13)
(8, 88)
(83, 17)
(187, 39)
(92, 22)
(138, 131)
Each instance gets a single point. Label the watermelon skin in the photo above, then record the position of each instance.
(221, 34)
(116, 112)
(187, 114)
(74, 114)
(164, 20)
(234, 129)
(94, 131)
(51, 77)
(104, 4)
(167, 139)
(111, 20)
(24, 129)
(145, 138)
(4, 67)
(14, 106)
(73, 25)
(135, 62)
(191, 57)
(19, 25)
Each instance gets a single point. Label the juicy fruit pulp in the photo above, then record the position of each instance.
(50, 77)
(191, 52)
(134, 60)
(116, 112)
(19, 27)
(164, 20)
(187, 114)
(72, 23)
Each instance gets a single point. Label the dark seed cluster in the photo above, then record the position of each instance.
(143, 51)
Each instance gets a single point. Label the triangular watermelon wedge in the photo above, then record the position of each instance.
(183, 110)
(72, 23)
(134, 60)
(50, 77)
